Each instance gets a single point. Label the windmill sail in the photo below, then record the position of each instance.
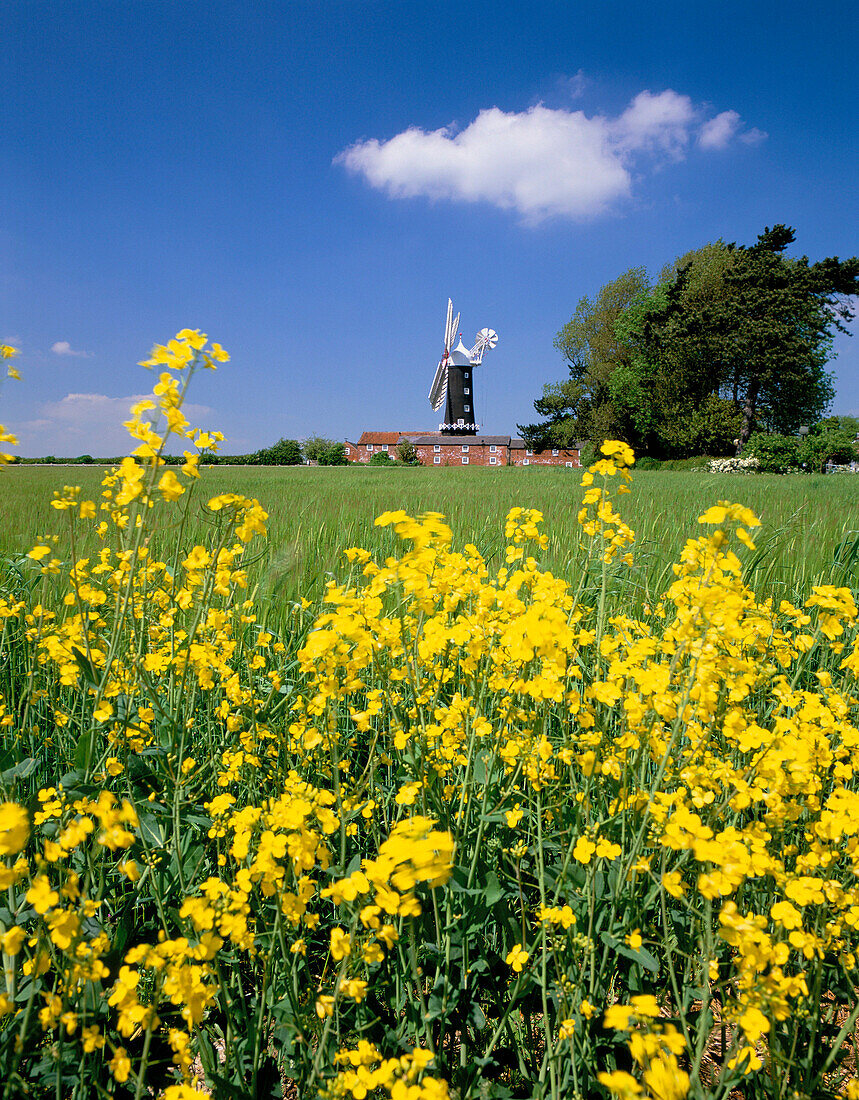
(438, 392)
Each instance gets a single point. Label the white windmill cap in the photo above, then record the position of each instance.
(460, 356)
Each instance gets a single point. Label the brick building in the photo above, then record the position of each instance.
(436, 449)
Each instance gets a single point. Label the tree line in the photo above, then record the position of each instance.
(729, 341)
(286, 452)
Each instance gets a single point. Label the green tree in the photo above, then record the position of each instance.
(407, 453)
(750, 326)
(316, 446)
(381, 458)
(334, 455)
(286, 452)
(825, 445)
(587, 405)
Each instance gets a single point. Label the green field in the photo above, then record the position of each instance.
(809, 534)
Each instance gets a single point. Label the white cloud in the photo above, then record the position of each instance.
(91, 423)
(718, 132)
(541, 162)
(654, 123)
(63, 347)
(754, 136)
(574, 86)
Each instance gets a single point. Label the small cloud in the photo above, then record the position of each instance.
(754, 136)
(574, 86)
(91, 423)
(63, 347)
(717, 132)
(540, 162)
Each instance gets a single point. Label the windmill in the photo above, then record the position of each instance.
(453, 386)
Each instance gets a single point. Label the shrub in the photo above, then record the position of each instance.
(407, 453)
(826, 446)
(381, 458)
(776, 454)
(335, 455)
(286, 452)
(745, 464)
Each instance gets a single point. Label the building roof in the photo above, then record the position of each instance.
(379, 437)
(458, 440)
(520, 444)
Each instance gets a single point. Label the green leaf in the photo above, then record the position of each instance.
(19, 771)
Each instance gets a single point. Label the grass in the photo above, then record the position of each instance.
(810, 528)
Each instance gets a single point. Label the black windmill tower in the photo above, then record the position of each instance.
(453, 385)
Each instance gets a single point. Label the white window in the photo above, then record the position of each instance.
(369, 446)
(465, 462)
(436, 447)
(493, 461)
(465, 375)
(346, 451)
(467, 408)
(527, 452)
(460, 423)
(493, 449)
(437, 459)
(568, 463)
(466, 389)
(555, 453)
(465, 448)
(385, 447)
(526, 462)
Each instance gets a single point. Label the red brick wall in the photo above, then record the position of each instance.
(357, 452)
(544, 458)
(452, 454)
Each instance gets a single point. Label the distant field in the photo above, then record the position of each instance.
(317, 512)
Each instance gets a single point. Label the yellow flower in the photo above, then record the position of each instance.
(12, 940)
(41, 896)
(566, 1030)
(341, 944)
(170, 486)
(672, 881)
(120, 1065)
(517, 957)
(620, 1084)
(514, 817)
(584, 849)
(14, 828)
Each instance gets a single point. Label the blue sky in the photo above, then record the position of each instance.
(308, 182)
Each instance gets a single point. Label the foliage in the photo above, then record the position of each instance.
(325, 452)
(848, 424)
(580, 408)
(776, 454)
(335, 455)
(464, 830)
(381, 458)
(823, 446)
(286, 452)
(731, 338)
(407, 453)
(754, 327)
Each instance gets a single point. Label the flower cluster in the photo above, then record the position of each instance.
(464, 828)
